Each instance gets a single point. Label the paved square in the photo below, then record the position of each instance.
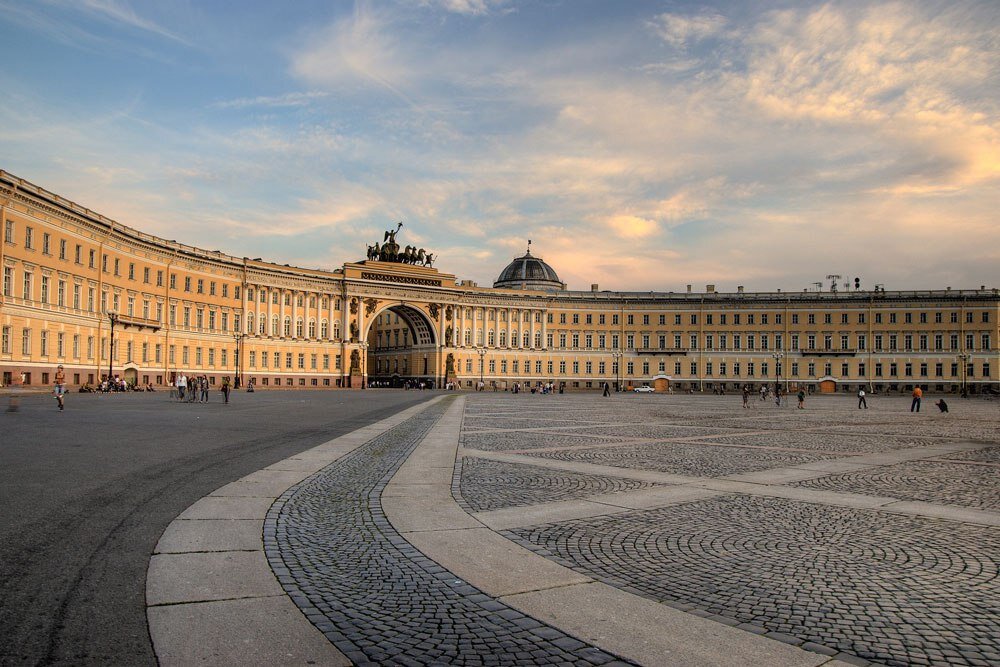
(796, 559)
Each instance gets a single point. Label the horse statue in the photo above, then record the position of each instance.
(419, 257)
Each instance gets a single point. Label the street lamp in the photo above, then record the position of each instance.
(617, 356)
(481, 351)
(238, 337)
(778, 356)
(113, 317)
(964, 359)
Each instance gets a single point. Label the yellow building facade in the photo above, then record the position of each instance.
(70, 275)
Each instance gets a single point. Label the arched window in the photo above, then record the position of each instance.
(479, 337)
(336, 330)
(503, 338)
(263, 325)
(491, 337)
(288, 326)
(274, 326)
(298, 328)
(526, 339)
(312, 328)
(250, 328)
(513, 338)
(468, 337)
(324, 329)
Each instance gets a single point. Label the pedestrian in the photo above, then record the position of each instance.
(861, 399)
(59, 386)
(182, 382)
(777, 397)
(203, 383)
(942, 406)
(746, 396)
(225, 389)
(607, 389)
(802, 399)
(917, 395)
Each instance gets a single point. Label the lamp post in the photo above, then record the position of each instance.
(481, 351)
(617, 356)
(778, 356)
(964, 360)
(113, 318)
(238, 337)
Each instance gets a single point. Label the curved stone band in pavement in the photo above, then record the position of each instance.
(376, 597)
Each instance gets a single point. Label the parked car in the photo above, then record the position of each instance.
(645, 389)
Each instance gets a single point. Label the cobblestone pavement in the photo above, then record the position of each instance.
(899, 590)
(489, 485)
(867, 585)
(964, 484)
(377, 598)
(699, 460)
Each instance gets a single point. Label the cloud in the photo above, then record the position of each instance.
(679, 30)
(632, 227)
(296, 99)
(121, 12)
(467, 7)
(358, 49)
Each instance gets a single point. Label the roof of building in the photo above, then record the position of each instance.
(530, 272)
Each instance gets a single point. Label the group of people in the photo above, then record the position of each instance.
(195, 389)
(766, 393)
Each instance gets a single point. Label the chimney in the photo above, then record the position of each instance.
(739, 288)
(689, 289)
(594, 287)
(710, 289)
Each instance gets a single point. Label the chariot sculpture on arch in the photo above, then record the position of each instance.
(389, 251)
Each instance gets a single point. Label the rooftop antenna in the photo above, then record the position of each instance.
(833, 278)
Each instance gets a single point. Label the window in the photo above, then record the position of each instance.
(29, 238)
(5, 341)
(131, 270)
(8, 232)
(46, 239)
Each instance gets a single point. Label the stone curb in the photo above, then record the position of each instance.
(212, 598)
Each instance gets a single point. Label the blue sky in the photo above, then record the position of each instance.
(640, 145)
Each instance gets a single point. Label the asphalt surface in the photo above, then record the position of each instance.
(86, 493)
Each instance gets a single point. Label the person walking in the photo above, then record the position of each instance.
(861, 399)
(225, 390)
(59, 386)
(182, 382)
(802, 399)
(203, 384)
(607, 389)
(917, 395)
(746, 396)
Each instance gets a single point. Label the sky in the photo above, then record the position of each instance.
(639, 145)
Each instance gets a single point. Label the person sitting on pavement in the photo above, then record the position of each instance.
(942, 406)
